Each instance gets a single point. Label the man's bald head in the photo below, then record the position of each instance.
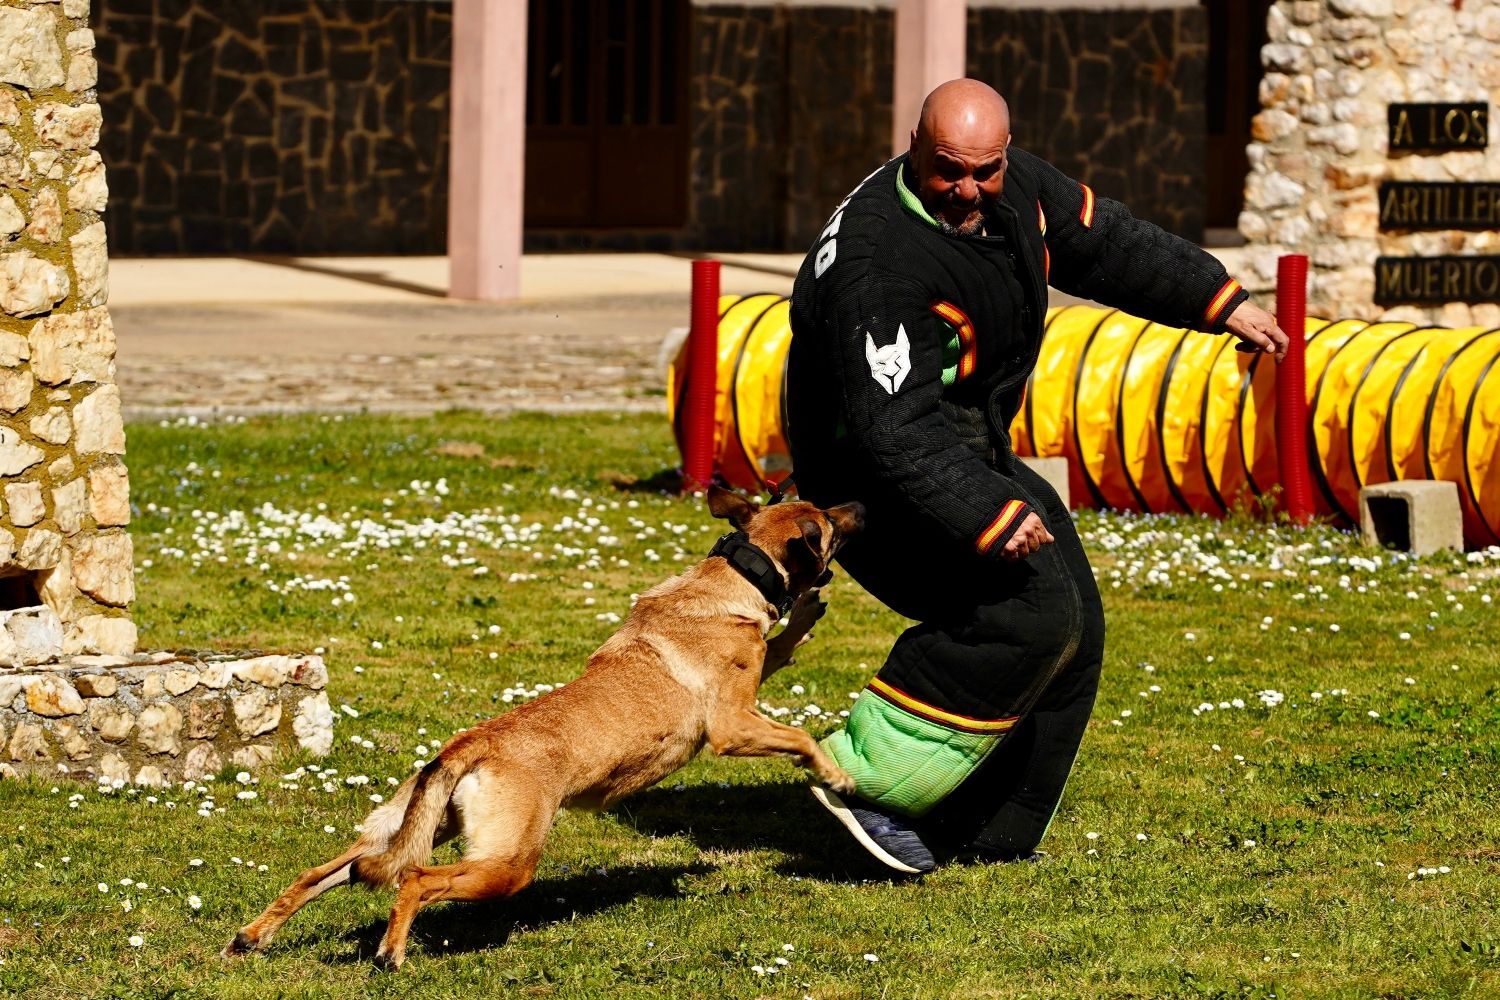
(967, 110)
(958, 153)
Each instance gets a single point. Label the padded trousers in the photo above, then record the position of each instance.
(984, 701)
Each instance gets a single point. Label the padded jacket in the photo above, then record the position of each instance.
(911, 348)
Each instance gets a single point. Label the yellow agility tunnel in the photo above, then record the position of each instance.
(1157, 419)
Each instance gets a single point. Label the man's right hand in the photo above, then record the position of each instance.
(1030, 536)
(1257, 331)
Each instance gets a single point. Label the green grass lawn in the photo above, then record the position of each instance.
(1264, 805)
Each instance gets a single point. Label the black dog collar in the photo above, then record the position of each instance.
(754, 565)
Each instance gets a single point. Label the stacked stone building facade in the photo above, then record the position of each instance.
(1320, 147)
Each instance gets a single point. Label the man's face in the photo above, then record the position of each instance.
(960, 177)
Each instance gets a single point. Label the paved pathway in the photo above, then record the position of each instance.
(257, 336)
(266, 335)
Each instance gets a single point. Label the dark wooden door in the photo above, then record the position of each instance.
(1236, 32)
(606, 113)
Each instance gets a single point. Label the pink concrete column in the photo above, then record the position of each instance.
(487, 149)
(929, 51)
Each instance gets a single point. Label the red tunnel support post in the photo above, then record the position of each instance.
(1291, 388)
(702, 379)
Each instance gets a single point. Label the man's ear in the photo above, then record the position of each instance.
(730, 505)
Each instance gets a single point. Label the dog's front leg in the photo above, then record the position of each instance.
(747, 733)
(805, 613)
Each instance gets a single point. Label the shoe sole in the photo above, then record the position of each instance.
(835, 805)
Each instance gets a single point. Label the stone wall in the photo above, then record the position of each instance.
(276, 126)
(791, 109)
(1112, 97)
(737, 101)
(65, 489)
(1320, 143)
(321, 127)
(160, 718)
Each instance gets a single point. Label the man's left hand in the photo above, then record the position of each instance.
(1257, 329)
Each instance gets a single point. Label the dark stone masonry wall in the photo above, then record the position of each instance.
(320, 126)
(791, 108)
(274, 125)
(1112, 97)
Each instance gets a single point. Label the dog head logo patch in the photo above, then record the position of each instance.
(889, 364)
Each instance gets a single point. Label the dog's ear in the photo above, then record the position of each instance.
(848, 518)
(730, 505)
(804, 552)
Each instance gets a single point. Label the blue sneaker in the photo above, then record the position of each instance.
(888, 839)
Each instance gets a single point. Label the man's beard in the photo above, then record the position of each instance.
(973, 224)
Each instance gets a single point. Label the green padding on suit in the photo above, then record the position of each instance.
(902, 761)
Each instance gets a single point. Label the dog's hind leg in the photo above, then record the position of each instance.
(479, 878)
(505, 833)
(308, 886)
(379, 826)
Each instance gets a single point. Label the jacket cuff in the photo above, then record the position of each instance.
(995, 534)
(1225, 301)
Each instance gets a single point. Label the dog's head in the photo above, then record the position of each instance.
(798, 535)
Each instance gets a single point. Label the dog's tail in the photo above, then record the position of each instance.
(412, 842)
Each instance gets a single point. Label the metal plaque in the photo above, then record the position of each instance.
(1440, 205)
(1438, 126)
(1436, 280)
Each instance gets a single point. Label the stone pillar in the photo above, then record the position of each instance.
(487, 149)
(929, 51)
(63, 542)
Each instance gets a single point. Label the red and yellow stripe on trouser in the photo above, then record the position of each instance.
(907, 755)
(932, 713)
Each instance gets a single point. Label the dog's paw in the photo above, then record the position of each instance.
(388, 961)
(240, 946)
(838, 779)
(808, 608)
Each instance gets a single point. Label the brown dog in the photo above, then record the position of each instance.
(681, 672)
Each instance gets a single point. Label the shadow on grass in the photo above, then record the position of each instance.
(742, 818)
(661, 481)
(781, 817)
(458, 928)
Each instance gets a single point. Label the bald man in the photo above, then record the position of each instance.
(917, 318)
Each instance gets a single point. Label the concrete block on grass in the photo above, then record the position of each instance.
(1420, 516)
(1055, 471)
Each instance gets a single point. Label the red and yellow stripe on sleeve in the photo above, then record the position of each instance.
(998, 526)
(968, 345)
(1086, 213)
(1221, 298)
(1041, 221)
